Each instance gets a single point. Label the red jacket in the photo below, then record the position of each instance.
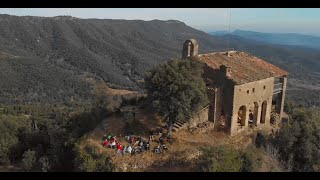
(105, 143)
(119, 147)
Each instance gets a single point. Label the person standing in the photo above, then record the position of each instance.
(151, 135)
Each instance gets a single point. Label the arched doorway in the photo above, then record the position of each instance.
(222, 119)
(255, 113)
(263, 112)
(241, 116)
(251, 116)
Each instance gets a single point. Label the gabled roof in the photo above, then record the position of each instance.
(244, 66)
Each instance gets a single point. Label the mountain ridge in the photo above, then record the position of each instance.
(50, 58)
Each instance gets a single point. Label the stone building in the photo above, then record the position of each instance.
(243, 89)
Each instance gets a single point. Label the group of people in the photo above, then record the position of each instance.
(137, 144)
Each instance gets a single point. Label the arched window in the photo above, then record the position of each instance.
(241, 116)
(190, 48)
(263, 112)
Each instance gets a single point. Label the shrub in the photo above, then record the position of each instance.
(44, 164)
(251, 159)
(221, 159)
(29, 159)
(89, 160)
(261, 139)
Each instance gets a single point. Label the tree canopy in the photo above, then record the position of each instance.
(298, 141)
(177, 89)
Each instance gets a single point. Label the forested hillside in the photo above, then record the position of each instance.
(50, 59)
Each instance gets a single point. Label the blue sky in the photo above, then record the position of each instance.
(282, 20)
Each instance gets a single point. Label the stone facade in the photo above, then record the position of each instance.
(240, 87)
(200, 117)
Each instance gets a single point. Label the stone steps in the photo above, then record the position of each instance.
(178, 124)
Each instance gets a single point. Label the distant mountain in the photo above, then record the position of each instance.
(55, 59)
(276, 38)
(219, 33)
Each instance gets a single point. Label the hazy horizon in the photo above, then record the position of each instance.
(269, 20)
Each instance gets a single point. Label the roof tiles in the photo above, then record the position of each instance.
(244, 66)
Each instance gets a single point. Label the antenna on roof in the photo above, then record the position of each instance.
(229, 28)
(68, 11)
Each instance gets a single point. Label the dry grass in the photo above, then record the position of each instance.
(180, 156)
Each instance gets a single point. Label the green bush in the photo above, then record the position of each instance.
(29, 160)
(11, 128)
(251, 159)
(220, 159)
(261, 139)
(89, 160)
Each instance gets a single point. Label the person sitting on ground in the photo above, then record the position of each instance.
(161, 141)
(141, 143)
(147, 146)
(119, 148)
(113, 144)
(157, 149)
(141, 148)
(109, 136)
(132, 140)
(124, 150)
(160, 131)
(133, 152)
(139, 138)
(105, 143)
(137, 150)
(137, 142)
(129, 149)
(164, 147)
(144, 145)
(113, 138)
(127, 138)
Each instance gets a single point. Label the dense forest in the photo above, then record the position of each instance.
(47, 139)
(49, 59)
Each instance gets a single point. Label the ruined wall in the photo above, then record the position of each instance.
(282, 96)
(221, 98)
(252, 95)
(200, 117)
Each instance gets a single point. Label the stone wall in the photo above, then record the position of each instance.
(200, 117)
(252, 95)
